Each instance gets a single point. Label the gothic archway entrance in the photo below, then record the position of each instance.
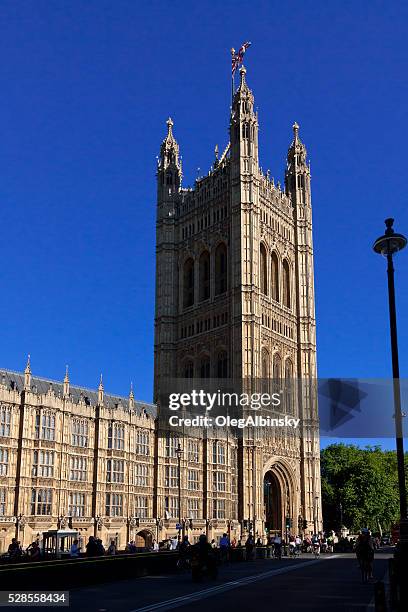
(144, 539)
(273, 502)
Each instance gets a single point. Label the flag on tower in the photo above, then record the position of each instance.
(238, 58)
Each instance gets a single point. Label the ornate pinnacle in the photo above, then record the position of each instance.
(242, 72)
(169, 125)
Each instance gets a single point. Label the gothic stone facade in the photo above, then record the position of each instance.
(235, 299)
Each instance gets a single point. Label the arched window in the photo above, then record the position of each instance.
(286, 284)
(204, 275)
(188, 283)
(289, 386)
(222, 365)
(263, 270)
(265, 371)
(205, 367)
(277, 373)
(220, 269)
(274, 277)
(265, 364)
(188, 371)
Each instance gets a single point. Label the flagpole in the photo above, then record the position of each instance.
(232, 77)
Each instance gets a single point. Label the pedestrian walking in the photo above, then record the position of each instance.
(249, 547)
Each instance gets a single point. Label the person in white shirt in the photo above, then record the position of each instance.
(173, 544)
(298, 542)
(277, 545)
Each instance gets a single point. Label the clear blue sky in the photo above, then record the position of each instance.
(86, 89)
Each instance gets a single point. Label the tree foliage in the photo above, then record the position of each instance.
(359, 487)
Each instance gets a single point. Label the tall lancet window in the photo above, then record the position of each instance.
(205, 367)
(220, 269)
(286, 284)
(204, 271)
(222, 365)
(277, 373)
(265, 371)
(274, 277)
(188, 283)
(263, 270)
(289, 386)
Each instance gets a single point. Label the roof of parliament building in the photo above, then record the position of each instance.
(15, 382)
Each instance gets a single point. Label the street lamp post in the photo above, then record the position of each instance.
(388, 245)
(179, 454)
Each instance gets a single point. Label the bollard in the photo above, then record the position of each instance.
(379, 597)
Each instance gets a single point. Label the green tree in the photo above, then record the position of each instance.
(359, 486)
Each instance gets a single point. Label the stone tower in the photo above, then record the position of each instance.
(235, 299)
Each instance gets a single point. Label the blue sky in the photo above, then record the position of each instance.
(86, 90)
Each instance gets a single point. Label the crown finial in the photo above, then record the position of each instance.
(66, 379)
(295, 127)
(389, 223)
(28, 366)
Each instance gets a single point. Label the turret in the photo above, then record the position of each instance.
(244, 130)
(297, 175)
(169, 171)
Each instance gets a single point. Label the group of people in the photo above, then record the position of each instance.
(94, 548)
(15, 551)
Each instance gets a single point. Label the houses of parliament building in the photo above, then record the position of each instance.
(234, 300)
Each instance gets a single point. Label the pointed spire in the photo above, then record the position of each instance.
(169, 151)
(131, 397)
(100, 392)
(170, 124)
(66, 383)
(297, 150)
(298, 187)
(27, 375)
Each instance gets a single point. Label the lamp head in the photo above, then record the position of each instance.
(390, 242)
